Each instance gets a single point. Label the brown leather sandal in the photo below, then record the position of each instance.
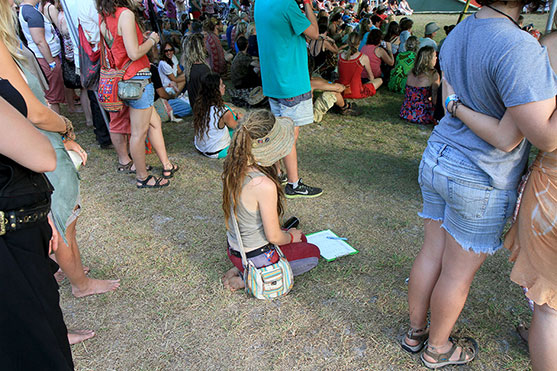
(421, 338)
(468, 353)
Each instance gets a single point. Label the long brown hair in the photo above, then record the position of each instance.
(256, 125)
(209, 96)
(108, 7)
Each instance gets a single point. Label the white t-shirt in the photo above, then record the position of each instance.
(165, 69)
(215, 139)
(29, 17)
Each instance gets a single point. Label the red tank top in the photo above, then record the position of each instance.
(119, 50)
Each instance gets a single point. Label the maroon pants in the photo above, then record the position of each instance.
(292, 252)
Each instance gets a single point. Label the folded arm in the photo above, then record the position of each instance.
(18, 133)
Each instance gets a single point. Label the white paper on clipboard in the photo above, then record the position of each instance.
(330, 248)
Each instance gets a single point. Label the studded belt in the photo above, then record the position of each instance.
(15, 220)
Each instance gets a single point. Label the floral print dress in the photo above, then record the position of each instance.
(417, 106)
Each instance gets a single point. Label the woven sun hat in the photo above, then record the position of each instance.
(276, 144)
(431, 27)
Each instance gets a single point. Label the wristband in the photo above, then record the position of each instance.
(291, 237)
(307, 2)
(450, 98)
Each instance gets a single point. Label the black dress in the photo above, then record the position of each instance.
(33, 335)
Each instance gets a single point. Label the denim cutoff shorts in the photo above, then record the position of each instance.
(301, 113)
(146, 100)
(458, 193)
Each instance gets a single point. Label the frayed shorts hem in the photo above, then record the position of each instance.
(488, 250)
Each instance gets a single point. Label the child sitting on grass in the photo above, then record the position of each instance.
(421, 89)
(213, 120)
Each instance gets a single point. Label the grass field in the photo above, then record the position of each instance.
(168, 248)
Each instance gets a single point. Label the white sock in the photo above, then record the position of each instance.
(295, 185)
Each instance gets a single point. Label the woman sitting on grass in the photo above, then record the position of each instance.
(253, 193)
(351, 63)
(421, 89)
(403, 65)
(213, 120)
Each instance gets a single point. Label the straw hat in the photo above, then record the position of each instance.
(276, 144)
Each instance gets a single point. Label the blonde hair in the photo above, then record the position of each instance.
(423, 61)
(194, 52)
(8, 30)
(251, 29)
(256, 125)
(241, 29)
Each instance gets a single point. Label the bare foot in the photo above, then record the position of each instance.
(232, 280)
(230, 273)
(60, 275)
(93, 287)
(77, 336)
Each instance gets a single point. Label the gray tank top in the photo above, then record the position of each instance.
(250, 224)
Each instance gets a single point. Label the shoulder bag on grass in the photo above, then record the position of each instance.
(268, 282)
(109, 79)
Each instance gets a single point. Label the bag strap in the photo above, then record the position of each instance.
(107, 58)
(238, 237)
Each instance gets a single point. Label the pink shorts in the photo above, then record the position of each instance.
(55, 92)
(120, 121)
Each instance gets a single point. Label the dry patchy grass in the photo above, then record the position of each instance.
(168, 248)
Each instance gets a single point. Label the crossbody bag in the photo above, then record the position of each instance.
(267, 282)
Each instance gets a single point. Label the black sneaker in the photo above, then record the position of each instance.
(301, 190)
(283, 178)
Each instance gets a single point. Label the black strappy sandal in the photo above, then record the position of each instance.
(145, 183)
(170, 172)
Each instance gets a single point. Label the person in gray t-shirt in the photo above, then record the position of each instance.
(468, 185)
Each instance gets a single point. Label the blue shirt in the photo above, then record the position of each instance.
(282, 48)
(492, 64)
(364, 39)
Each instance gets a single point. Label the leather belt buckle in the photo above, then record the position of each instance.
(3, 223)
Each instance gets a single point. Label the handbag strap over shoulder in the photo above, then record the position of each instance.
(238, 237)
(107, 58)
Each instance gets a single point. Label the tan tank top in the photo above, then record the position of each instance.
(250, 224)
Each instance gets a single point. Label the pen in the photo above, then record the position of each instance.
(337, 238)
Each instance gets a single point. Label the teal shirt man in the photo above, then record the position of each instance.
(282, 48)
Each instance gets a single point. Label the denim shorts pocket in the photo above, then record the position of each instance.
(468, 199)
(420, 169)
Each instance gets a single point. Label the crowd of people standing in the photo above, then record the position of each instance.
(288, 64)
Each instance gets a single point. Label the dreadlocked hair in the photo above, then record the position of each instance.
(256, 125)
(209, 96)
(194, 52)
